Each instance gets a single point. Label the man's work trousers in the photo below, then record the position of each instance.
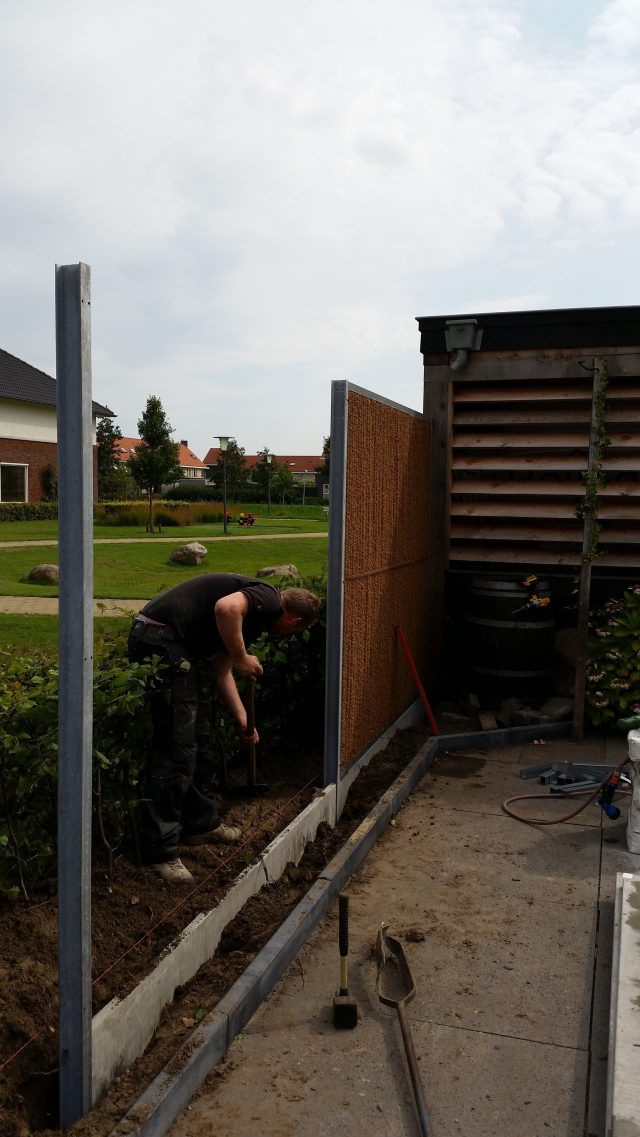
(171, 805)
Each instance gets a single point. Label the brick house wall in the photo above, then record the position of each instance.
(38, 456)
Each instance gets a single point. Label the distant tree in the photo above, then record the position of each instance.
(237, 472)
(282, 481)
(50, 482)
(123, 486)
(156, 457)
(260, 473)
(107, 437)
(326, 454)
(276, 474)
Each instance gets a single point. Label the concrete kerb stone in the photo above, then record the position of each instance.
(158, 1107)
(122, 1029)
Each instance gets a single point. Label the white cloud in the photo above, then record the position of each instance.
(269, 192)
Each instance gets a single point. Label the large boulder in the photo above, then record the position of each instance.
(278, 570)
(191, 554)
(44, 574)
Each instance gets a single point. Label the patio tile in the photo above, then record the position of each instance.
(473, 781)
(495, 1086)
(477, 963)
(615, 855)
(493, 852)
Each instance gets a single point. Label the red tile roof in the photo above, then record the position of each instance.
(126, 448)
(297, 463)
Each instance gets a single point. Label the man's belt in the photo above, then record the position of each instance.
(140, 619)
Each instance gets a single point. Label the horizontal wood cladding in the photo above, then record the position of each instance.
(518, 451)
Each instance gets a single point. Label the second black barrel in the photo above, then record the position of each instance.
(511, 635)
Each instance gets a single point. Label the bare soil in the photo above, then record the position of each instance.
(134, 916)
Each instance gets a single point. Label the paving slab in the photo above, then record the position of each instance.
(500, 922)
(465, 850)
(477, 782)
(597, 1100)
(616, 857)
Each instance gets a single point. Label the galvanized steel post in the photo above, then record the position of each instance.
(75, 712)
(335, 581)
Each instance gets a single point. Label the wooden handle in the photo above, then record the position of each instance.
(251, 725)
(249, 706)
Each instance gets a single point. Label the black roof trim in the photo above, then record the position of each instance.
(541, 328)
(27, 384)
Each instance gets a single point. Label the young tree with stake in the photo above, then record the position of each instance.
(156, 457)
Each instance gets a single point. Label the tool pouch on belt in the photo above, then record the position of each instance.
(150, 639)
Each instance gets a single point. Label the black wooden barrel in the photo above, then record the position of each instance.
(510, 645)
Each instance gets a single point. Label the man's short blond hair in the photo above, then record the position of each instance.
(303, 603)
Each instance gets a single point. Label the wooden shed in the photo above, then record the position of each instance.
(530, 412)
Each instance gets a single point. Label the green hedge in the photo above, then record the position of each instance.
(28, 510)
(290, 697)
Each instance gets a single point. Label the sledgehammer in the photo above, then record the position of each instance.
(345, 1008)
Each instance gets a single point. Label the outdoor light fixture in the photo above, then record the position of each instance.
(224, 440)
(269, 460)
(461, 337)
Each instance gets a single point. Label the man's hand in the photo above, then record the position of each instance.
(247, 666)
(247, 738)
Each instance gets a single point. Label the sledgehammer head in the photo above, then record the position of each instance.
(345, 1011)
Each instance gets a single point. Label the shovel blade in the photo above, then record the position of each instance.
(395, 985)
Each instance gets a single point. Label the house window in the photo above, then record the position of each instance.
(13, 482)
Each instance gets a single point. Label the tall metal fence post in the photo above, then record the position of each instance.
(335, 581)
(75, 711)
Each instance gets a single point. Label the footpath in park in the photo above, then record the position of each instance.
(48, 605)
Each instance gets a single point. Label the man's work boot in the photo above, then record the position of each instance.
(174, 872)
(227, 834)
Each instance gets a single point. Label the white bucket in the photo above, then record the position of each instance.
(633, 824)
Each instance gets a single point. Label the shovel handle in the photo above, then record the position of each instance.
(418, 1091)
(249, 706)
(251, 725)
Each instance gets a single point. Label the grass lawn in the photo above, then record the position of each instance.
(40, 633)
(48, 530)
(140, 571)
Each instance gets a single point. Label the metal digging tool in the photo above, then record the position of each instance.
(396, 988)
(252, 788)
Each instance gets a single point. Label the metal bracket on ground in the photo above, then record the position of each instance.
(563, 777)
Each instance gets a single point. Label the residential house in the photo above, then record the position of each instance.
(302, 466)
(192, 468)
(29, 430)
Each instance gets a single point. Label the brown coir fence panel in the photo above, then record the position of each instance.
(385, 566)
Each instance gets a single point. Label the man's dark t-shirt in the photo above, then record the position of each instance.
(188, 608)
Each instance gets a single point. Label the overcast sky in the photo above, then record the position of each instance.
(269, 191)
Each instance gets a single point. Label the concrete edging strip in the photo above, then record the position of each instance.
(122, 1029)
(165, 1098)
(623, 1095)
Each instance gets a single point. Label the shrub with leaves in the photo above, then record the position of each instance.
(29, 758)
(28, 510)
(613, 674)
(290, 707)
